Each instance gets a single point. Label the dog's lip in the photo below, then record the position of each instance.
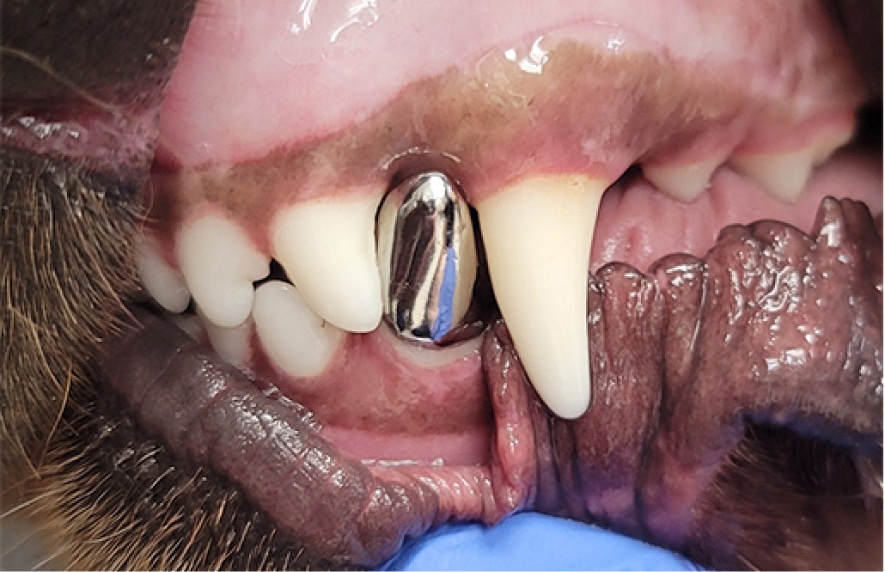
(383, 400)
(157, 369)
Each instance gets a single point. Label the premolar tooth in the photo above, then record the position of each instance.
(297, 340)
(829, 143)
(782, 175)
(538, 235)
(219, 264)
(327, 248)
(164, 283)
(231, 344)
(682, 182)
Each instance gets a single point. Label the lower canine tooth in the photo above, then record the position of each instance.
(538, 235)
(219, 264)
(292, 335)
(327, 248)
(682, 182)
(163, 283)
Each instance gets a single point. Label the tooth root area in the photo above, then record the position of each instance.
(220, 264)
(231, 344)
(683, 182)
(293, 336)
(538, 234)
(164, 284)
(327, 248)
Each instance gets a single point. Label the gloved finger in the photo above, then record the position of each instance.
(531, 541)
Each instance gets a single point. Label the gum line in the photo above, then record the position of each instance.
(590, 113)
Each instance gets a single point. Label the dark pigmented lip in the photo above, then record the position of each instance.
(208, 413)
(604, 467)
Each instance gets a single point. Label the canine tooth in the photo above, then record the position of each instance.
(682, 182)
(164, 283)
(232, 344)
(219, 264)
(538, 235)
(299, 341)
(426, 257)
(327, 248)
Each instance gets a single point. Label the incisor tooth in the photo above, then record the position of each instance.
(292, 335)
(327, 248)
(164, 283)
(682, 182)
(538, 235)
(231, 344)
(220, 264)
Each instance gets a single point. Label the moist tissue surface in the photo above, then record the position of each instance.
(724, 356)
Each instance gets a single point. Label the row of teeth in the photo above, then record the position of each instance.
(537, 233)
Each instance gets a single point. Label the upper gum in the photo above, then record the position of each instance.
(495, 151)
(225, 54)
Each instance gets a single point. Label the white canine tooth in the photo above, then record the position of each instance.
(537, 235)
(682, 182)
(232, 344)
(164, 283)
(296, 339)
(220, 264)
(327, 248)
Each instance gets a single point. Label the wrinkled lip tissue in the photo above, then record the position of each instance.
(400, 264)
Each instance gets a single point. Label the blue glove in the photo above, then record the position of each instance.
(532, 541)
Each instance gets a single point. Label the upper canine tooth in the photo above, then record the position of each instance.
(327, 247)
(164, 283)
(220, 263)
(682, 182)
(538, 235)
(292, 335)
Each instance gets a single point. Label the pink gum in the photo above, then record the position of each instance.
(251, 80)
(623, 232)
(643, 92)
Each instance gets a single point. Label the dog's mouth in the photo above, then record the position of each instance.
(584, 138)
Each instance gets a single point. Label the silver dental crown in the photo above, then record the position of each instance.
(427, 257)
